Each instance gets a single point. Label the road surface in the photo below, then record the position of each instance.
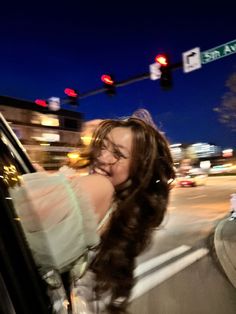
(180, 274)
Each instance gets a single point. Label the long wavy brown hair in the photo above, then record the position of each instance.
(140, 203)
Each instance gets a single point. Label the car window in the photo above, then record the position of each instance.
(15, 147)
(20, 278)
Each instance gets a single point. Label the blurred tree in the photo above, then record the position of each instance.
(227, 108)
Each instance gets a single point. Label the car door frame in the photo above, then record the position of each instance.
(20, 279)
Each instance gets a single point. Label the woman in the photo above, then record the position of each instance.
(128, 190)
(136, 159)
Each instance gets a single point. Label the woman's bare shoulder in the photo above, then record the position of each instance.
(96, 180)
(99, 190)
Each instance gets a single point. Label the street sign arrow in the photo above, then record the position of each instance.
(189, 56)
(191, 60)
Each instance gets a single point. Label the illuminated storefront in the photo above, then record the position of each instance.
(47, 136)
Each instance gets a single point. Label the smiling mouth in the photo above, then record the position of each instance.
(101, 171)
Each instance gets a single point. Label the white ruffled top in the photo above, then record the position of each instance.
(57, 217)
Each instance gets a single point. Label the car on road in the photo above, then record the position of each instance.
(191, 179)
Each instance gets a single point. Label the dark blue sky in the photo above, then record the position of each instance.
(49, 47)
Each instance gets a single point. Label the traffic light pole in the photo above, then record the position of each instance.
(118, 84)
(127, 82)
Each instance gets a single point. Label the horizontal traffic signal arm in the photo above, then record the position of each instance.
(131, 80)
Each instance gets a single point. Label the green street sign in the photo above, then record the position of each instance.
(218, 52)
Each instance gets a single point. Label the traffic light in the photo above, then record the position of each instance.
(52, 103)
(41, 102)
(109, 84)
(165, 68)
(72, 96)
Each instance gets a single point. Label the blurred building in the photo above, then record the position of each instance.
(206, 150)
(199, 151)
(48, 136)
(204, 155)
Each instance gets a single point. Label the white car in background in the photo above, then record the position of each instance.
(195, 177)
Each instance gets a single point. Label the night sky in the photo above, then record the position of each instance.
(46, 48)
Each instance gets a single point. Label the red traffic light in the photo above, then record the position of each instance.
(162, 60)
(41, 102)
(70, 92)
(107, 79)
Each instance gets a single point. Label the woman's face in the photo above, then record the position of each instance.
(115, 155)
